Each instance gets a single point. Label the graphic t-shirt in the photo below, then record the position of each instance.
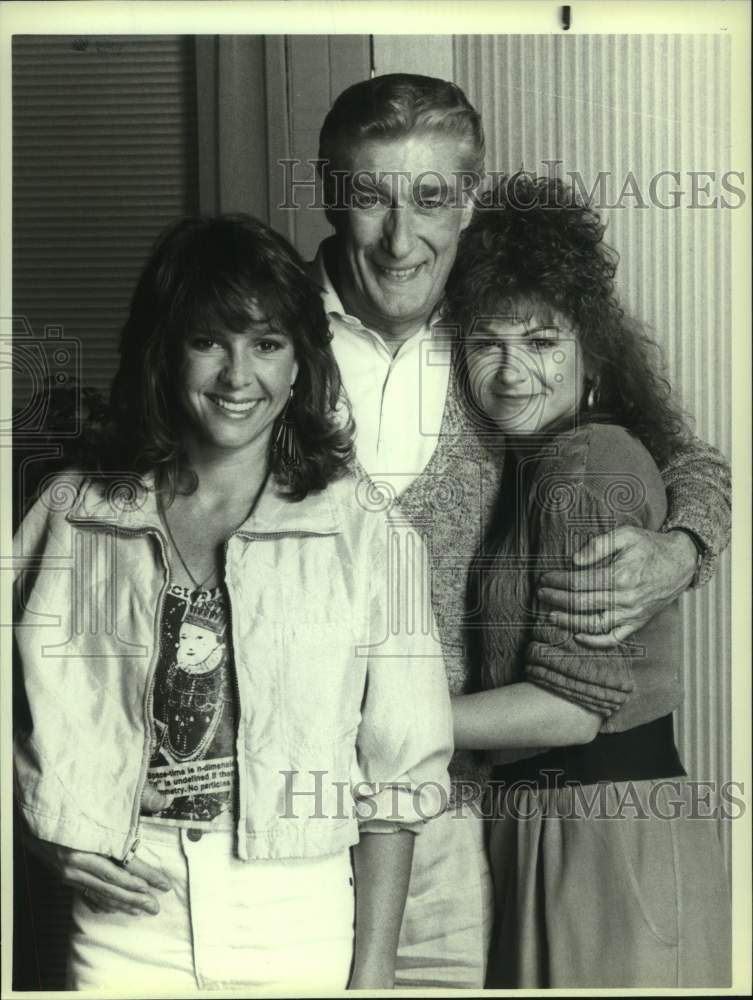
(194, 710)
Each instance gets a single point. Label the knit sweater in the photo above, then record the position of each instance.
(451, 505)
(558, 495)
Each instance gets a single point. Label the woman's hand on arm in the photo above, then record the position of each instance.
(107, 886)
(520, 716)
(381, 865)
(605, 602)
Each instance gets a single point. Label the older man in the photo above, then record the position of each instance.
(399, 155)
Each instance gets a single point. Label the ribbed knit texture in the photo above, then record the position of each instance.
(452, 503)
(575, 487)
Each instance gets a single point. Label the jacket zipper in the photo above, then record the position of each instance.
(148, 721)
(239, 749)
(149, 724)
(297, 533)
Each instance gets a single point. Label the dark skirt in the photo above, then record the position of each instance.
(615, 883)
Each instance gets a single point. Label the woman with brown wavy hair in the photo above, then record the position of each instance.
(604, 873)
(212, 717)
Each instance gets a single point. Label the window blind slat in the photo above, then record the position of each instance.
(104, 156)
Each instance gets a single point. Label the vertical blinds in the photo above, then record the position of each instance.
(104, 155)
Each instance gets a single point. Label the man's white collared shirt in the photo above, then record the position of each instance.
(397, 400)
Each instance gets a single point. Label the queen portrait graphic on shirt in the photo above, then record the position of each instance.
(194, 709)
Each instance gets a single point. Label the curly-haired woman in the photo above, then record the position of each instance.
(212, 716)
(604, 873)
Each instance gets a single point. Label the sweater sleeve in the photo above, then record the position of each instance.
(697, 481)
(567, 506)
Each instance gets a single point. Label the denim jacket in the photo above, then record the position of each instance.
(344, 716)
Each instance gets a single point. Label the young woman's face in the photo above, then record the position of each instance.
(525, 374)
(234, 385)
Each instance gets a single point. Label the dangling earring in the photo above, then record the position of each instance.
(592, 399)
(285, 445)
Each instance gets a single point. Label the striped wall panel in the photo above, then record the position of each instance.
(633, 106)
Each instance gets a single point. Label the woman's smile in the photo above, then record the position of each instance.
(525, 374)
(234, 408)
(514, 397)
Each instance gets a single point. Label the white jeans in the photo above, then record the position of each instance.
(274, 926)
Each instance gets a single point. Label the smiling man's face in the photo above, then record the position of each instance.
(398, 241)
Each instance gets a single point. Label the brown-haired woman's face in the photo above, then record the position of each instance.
(525, 370)
(233, 385)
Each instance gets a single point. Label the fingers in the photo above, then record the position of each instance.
(597, 578)
(619, 621)
(608, 640)
(597, 623)
(99, 903)
(149, 874)
(153, 800)
(604, 546)
(105, 885)
(111, 899)
(92, 902)
(585, 602)
(109, 886)
(103, 870)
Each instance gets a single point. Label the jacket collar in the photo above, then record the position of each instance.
(126, 501)
(129, 504)
(316, 514)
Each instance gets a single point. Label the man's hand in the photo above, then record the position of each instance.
(623, 580)
(107, 886)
